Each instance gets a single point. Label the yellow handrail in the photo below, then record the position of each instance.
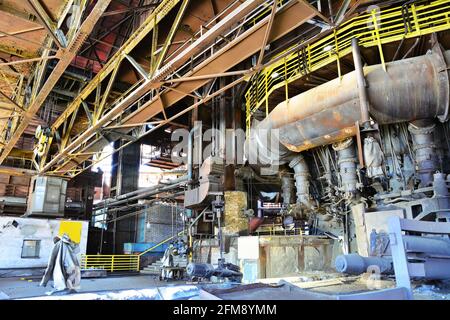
(372, 29)
(161, 243)
(111, 263)
(118, 262)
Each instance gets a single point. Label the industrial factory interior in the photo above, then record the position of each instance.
(225, 150)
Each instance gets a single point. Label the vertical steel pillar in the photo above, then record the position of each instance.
(363, 98)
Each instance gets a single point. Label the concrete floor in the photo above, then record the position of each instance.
(16, 288)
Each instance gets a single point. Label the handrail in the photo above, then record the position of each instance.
(118, 262)
(111, 262)
(371, 29)
(160, 244)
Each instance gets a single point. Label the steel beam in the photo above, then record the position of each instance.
(99, 109)
(66, 57)
(137, 66)
(318, 13)
(170, 36)
(210, 76)
(13, 171)
(341, 12)
(26, 40)
(10, 63)
(267, 34)
(99, 38)
(126, 10)
(11, 100)
(131, 43)
(198, 103)
(237, 50)
(45, 20)
(202, 43)
(195, 48)
(16, 33)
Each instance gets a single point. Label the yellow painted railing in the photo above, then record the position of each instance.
(278, 230)
(118, 262)
(111, 263)
(373, 29)
(161, 243)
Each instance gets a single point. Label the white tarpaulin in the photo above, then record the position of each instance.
(63, 266)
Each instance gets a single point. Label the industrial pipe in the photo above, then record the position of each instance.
(206, 270)
(347, 165)
(286, 187)
(190, 155)
(440, 189)
(141, 193)
(355, 264)
(147, 194)
(200, 270)
(363, 99)
(302, 181)
(425, 151)
(190, 166)
(433, 269)
(409, 90)
(427, 245)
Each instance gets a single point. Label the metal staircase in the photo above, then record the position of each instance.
(155, 268)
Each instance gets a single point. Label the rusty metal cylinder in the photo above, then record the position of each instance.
(427, 161)
(408, 90)
(255, 223)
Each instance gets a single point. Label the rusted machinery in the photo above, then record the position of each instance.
(373, 142)
(206, 271)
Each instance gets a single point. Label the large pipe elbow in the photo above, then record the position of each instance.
(328, 113)
(302, 175)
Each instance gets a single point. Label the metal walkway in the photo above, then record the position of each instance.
(372, 30)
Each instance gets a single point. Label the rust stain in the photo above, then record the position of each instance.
(322, 140)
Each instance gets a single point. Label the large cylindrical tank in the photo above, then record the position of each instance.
(408, 90)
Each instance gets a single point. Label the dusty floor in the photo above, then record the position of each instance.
(16, 288)
(29, 287)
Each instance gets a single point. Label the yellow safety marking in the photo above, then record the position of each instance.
(72, 229)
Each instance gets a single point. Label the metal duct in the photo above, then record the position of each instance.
(425, 150)
(410, 89)
(287, 187)
(347, 165)
(302, 181)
